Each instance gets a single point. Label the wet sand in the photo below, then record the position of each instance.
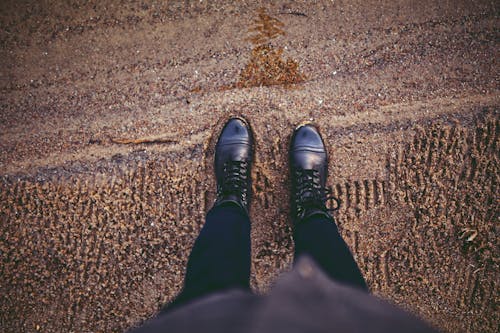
(109, 115)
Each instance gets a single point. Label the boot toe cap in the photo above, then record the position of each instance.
(235, 131)
(307, 137)
(234, 144)
(307, 150)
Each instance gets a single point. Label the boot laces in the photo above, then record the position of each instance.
(310, 195)
(234, 180)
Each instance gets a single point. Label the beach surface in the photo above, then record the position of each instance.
(109, 113)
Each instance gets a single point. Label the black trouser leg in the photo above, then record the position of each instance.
(220, 258)
(318, 237)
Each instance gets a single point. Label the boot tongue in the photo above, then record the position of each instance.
(308, 195)
(232, 197)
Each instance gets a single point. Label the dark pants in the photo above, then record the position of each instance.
(220, 258)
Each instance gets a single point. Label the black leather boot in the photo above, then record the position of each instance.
(233, 159)
(308, 170)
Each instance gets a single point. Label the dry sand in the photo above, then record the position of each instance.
(95, 232)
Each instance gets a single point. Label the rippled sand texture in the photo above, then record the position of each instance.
(109, 116)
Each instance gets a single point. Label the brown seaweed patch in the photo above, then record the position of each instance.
(267, 66)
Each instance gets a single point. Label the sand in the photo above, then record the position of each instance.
(109, 116)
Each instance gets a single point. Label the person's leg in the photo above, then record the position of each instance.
(318, 237)
(315, 232)
(220, 258)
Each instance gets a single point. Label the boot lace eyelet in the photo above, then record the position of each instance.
(235, 180)
(310, 194)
